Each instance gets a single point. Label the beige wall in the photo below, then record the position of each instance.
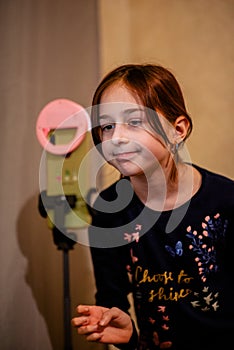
(194, 38)
(49, 50)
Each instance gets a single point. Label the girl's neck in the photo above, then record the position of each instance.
(158, 192)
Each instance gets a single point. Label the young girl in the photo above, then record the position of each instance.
(164, 232)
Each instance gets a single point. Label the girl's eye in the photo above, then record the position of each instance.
(107, 127)
(135, 122)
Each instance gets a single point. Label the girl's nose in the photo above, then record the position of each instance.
(120, 134)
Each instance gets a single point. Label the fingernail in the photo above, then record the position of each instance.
(102, 322)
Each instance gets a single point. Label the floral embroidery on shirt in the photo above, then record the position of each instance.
(203, 244)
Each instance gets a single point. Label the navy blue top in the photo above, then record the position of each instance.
(177, 264)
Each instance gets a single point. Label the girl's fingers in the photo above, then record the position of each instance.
(108, 316)
(88, 330)
(94, 336)
(83, 309)
(79, 321)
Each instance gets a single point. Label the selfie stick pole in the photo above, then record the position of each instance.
(65, 242)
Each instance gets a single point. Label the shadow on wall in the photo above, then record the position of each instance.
(45, 274)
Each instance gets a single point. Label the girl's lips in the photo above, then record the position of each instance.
(125, 155)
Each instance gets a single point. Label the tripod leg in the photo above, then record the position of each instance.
(67, 311)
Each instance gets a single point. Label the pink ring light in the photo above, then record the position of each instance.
(62, 114)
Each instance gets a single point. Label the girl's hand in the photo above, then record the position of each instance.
(100, 324)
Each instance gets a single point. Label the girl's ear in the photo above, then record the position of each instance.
(181, 126)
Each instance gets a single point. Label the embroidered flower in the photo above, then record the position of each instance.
(203, 244)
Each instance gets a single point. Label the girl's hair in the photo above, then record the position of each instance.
(153, 86)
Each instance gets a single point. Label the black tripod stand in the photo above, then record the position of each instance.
(65, 242)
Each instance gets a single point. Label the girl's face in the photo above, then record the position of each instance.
(128, 141)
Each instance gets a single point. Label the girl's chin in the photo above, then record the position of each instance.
(128, 169)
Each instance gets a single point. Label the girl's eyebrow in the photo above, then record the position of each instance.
(104, 117)
(125, 112)
(132, 110)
